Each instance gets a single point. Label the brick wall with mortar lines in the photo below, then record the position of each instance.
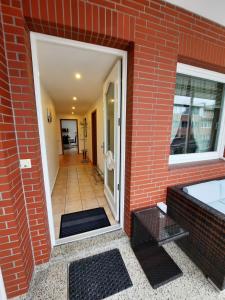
(157, 35)
(25, 245)
(16, 258)
(22, 93)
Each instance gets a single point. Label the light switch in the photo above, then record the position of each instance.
(25, 164)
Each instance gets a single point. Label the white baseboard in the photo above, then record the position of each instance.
(52, 188)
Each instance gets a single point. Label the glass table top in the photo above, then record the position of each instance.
(160, 226)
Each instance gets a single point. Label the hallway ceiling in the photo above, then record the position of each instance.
(209, 9)
(58, 65)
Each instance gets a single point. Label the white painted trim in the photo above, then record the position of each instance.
(88, 234)
(2, 288)
(123, 116)
(54, 180)
(194, 157)
(37, 88)
(114, 76)
(66, 42)
(35, 37)
(110, 199)
(200, 72)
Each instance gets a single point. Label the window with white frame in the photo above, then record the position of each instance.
(198, 115)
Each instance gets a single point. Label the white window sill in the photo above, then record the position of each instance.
(197, 164)
(195, 157)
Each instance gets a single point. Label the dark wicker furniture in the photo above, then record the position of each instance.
(205, 244)
(151, 228)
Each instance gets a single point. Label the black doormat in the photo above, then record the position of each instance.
(97, 277)
(83, 221)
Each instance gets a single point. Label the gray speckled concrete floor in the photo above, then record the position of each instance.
(50, 281)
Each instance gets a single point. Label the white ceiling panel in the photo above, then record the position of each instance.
(213, 10)
(58, 65)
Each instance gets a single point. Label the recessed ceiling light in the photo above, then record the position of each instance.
(73, 107)
(78, 76)
(74, 98)
(72, 113)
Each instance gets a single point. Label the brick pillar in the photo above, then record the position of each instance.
(18, 56)
(16, 258)
(24, 232)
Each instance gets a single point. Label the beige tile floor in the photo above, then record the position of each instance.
(78, 187)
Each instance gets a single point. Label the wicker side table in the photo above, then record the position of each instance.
(151, 229)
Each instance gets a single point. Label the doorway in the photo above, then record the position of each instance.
(94, 137)
(69, 135)
(109, 152)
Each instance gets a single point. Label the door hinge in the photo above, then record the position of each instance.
(118, 186)
(119, 122)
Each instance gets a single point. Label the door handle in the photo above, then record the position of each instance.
(110, 163)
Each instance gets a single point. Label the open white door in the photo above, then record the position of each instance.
(112, 101)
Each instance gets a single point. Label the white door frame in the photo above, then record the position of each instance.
(34, 38)
(2, 287)
(117, 141)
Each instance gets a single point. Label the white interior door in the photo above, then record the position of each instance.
(112, 100)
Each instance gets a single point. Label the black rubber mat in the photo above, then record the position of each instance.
(97, 277)
(83, 221)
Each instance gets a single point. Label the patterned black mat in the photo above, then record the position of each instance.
(83, 221)
(97, 277)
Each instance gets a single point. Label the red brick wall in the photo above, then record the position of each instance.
(157, 35)
(22, 94)
(16, 258)
(24, 230)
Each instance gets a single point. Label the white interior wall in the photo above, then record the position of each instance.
(50, 135)
(98, 106)
(80, 131)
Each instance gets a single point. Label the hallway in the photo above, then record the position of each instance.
(78, 187)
